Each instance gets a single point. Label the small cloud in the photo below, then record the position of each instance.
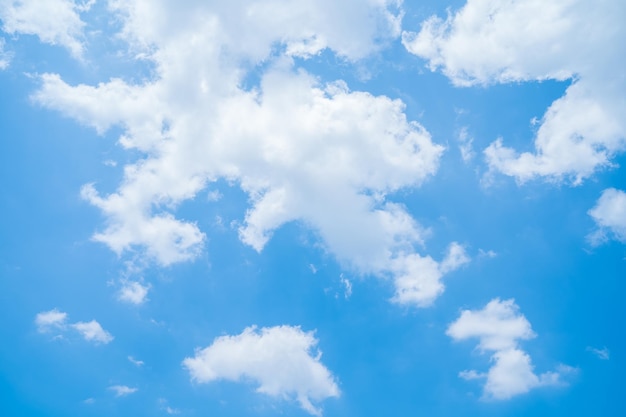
(313, 268)
(609, 214)
(603, 353)
(89, 401)
(5, 57)
(122, 390)
(347, 284)
(48, 320)
(110, 163)
(92, 331)
(465, 146)
(472, 374)
(133, 292)
(214, 195)
(135, 361)
(486, 254)
(165, 407)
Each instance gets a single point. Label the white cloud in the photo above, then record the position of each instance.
(135, 361)
(348, 286)
(48, 320)
(56, 22)
(465, 146)
(307, 151)
(279, 359)
(56, 320)
(603, 353)
(609, 214)
(122, 390)
(499, 327)
(133, 292)
(418, 278)
(536, 40)
(5, 57)
(92, 331)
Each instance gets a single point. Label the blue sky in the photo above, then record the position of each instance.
(354, 208)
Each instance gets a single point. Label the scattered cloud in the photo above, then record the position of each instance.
(603, 353)
(418, 278)
(56, 22)
(5, 57)
(135, 362)
(279, 359)
(609, 215)
(348, 286)
(466, 145)
(487, 254)
(50, 320)
(499, 327)
(533, 41)
(56, 320)
(92, 331)
(133, 292)
(122, 390)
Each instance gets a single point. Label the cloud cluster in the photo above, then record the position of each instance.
(499, 327)
(279, 359)
(609, 213)
(533, 41)
(56, 22)
(301, 149)
(55, 320)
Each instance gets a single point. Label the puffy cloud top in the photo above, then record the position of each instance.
(279, 359)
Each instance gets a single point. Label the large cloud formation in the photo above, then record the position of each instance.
(534, 40)
(301, 149)
(499, 327)
(277, 358)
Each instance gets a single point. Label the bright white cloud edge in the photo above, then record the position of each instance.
(282, 360)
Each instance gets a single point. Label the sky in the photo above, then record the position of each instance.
(307, 208)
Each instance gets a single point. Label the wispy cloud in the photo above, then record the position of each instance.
(56, 320)
(122, 390)
(603, 353)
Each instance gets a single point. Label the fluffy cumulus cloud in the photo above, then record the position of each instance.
(279, 359)
(499, 327)
(609, 214)
(302, 150)
(535, 40)
(56, 320)
(56, 22)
